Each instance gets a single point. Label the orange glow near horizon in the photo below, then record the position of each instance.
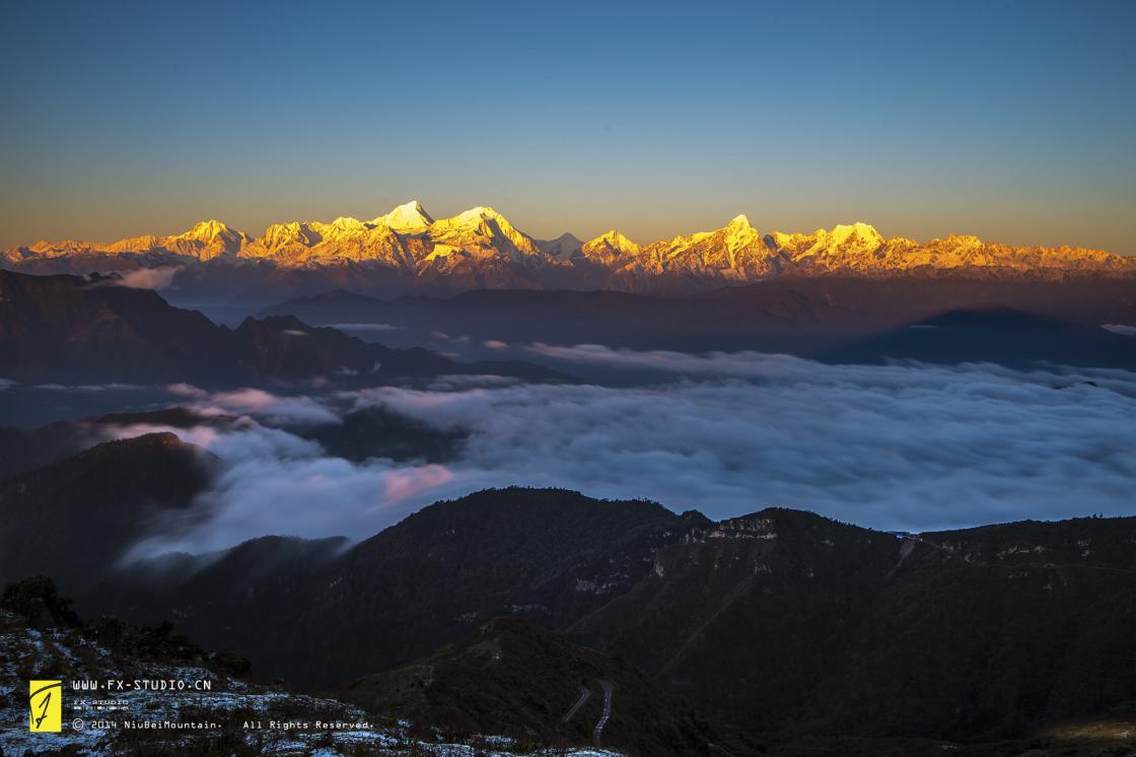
(641, 228)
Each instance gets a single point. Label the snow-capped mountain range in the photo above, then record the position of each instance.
(481, 248)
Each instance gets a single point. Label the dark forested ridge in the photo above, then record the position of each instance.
(779, 624)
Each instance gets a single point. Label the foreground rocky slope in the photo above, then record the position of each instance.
(42, 638)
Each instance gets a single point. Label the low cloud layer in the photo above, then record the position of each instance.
(1120, 328)
(150, 278)
(142, 278)
(274, 482)
(895, 447)
(365, 326)
(258, 403)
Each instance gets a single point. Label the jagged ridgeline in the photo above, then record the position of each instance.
(480, 248)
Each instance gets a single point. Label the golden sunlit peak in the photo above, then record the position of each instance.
(614, 240)
(862, 232)
(347, 222)
(477, 213)
(739, 220)
(410, 216)
(206, 230)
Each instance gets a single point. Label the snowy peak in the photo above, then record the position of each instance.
(611, 249)
(205, 240)
(210, 231)
(476, 216)
(283, 234)
(479, 247)
(853, 245)
(564, 247)
(741, 235)
(859, 234)
(613, 241)
(347, 224)
(734, 252)
(410, 217)
(481, 228)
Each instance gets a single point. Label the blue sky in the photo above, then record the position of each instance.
(1012, 120)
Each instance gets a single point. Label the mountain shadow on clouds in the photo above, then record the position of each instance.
(993, 335)
(804, 317)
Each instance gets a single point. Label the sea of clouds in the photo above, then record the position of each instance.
(902, 447)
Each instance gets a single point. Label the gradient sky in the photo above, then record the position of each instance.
(1012, 120)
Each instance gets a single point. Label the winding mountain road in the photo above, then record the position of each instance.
(607, 690)
(585, 692)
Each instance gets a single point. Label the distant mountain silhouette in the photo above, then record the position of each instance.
(995, 335)
(22, 450)
(74, 519)
(806, 317)
(71, 329)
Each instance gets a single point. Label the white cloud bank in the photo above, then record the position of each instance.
(365, 326)
(149, 278)
(1120, 328)
(896, 447)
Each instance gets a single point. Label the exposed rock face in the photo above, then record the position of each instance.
(610, 249)
(480, 248)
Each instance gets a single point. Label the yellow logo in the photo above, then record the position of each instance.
(46, 705)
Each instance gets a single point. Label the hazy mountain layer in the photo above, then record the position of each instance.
(90, 330)
(835, 319)
(41, 635)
